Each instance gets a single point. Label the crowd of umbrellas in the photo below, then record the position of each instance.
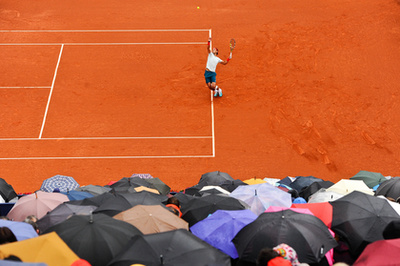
(223, 221)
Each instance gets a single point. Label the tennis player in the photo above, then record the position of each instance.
(212, 61)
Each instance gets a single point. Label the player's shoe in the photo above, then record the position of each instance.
(216, 93)
(220, 92)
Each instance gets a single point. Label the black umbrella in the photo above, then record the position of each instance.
(360, 219)
(215, 178)
(6, 191)
(307, 234)
(230, 185)
(199, 208)
(61, 213)
(94, 201)
(163, 188)
(390, 188)
(306, 192)
(177, 247)
(95, 190)
(123, 201)
(303, 181)
(132, 181)
(96, 238)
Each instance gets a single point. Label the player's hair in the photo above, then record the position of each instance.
(216, 49)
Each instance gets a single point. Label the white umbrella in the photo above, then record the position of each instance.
(346, 186)
(323, 195)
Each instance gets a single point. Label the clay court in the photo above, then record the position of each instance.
(100, 90)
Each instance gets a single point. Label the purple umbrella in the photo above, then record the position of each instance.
(221, 227)
(21, 230)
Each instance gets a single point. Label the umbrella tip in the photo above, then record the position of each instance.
(91, 217)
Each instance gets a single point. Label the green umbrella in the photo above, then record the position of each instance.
(371, 179)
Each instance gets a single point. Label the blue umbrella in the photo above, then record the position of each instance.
(77, 195)
(260, 196)
(20, 263)
(304, 181)
(21, 230)
(60, 182)
(221, 227)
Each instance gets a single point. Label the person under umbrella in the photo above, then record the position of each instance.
(260, 196)
(7, 191)
(359, 219)
(38, 204)
(96, 238)
(177, 247)
(389, 188)
(61, 213)
(60, 182)
(215, 178)
(199, 208)
(220, 228)
(307, 234)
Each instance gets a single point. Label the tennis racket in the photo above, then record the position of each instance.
(232, 44)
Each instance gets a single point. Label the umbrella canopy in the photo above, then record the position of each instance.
(346, 186)
(287, 180)
(21, 230)
(178, 247)
(254, 181)
(142, 188)
(380, 253)
(94, 190)
(61, 213)
(95, 201)
(38, 204)
(48, 248)
(163, 188)
(77, 195)
(390, 188)
(371, 179)
(132, 182)
(307, 234)
(214, 190)
(61, 182)
(323, 195)
(123, 201)
(322, 210)
(360, 219)
(143, 176)
(303, 181)
(221, 227)
(151, 219)
(215, 178)
(199, 208)
(232, 185)
(259, 197)
(306, 192)
(96, 238)
(7, 191)
(18, 263)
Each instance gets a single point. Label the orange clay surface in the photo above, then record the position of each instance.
(312, 89)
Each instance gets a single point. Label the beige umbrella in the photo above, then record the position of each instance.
(346, 186)
(143, 188)
(151, 219)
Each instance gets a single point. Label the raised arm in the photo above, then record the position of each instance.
(227, 60)
(209, 45)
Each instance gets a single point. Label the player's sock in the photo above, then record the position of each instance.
(215, 93)
(220, 92)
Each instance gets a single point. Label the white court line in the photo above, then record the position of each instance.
(117, 43)
(120, 30)
(51, 92)
(26, 87)
(109, 157)
(109, 138)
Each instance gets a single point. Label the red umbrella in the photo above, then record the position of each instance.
(323, 210)
(38, 204)
(380, 253)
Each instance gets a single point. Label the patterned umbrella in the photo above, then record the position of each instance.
(60, 182)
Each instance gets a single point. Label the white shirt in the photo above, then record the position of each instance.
(212, 62)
